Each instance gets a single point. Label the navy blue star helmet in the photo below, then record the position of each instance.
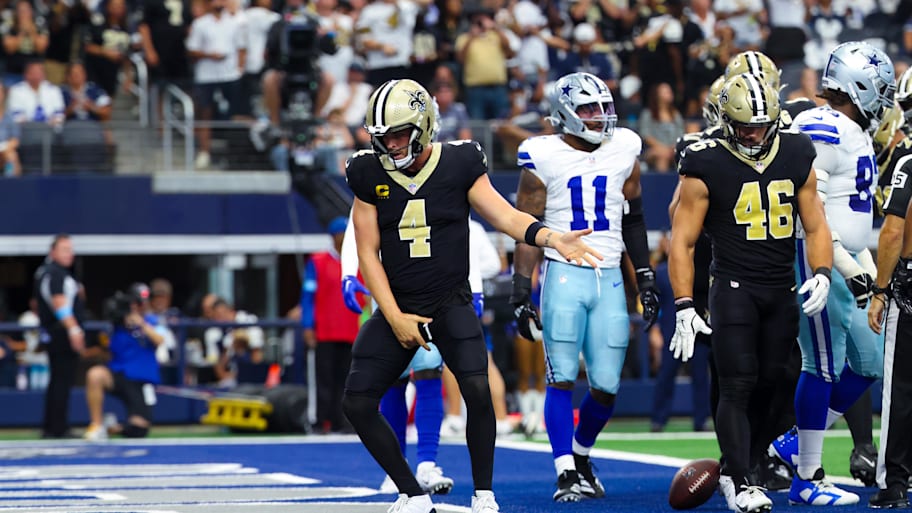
(866, 75)
(582, 106)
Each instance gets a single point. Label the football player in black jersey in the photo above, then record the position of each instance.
(894, 157)
(745, 190)
(412, 200)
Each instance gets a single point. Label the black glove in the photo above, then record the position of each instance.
(523, 309)
(901, 286)
(862, 287)
(649, 295)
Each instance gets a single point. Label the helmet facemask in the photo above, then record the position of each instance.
(406, 153)
(599, 121)
(751, 146)
(750, 115)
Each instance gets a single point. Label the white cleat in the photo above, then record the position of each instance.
(752, 499)
(819, 491)
(432, 480)
(452, 427)
(483, 502)
(416, 504)
(727, 490)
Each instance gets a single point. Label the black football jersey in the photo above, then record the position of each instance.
(898, 171)
(424, 222)
(752, 206)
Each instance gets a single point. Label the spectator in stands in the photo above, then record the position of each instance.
(217, 46)
(24, 42)
(745, 19)
(61, 309)
(585, 58)
(218, 340)
(342, 26)
(483, 52)
(660, 126)
(351, 97)
(384, 31)
(107, 46)
(825, 23)
(334, 143)
(808, 87)
(449, 25)
(163, 29)
(9, 138)
(35, 99)
(658, 47)
(131, 373)
(84, 100)
(238, 363)
(329, 328)
(64, 19)
(530, 26)
(258, 18)
(453, 118)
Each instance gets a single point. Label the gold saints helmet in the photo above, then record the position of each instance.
(401, 105)
(755, 63)
(892, 121)
(711, 105)
(903, 95)
(747, 102)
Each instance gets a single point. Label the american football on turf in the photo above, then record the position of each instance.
(694, 484)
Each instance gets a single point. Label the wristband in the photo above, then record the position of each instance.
(683, 303)
(824, 271)
(532, 231)
(878, 291)
(63, 312)
(75, 330)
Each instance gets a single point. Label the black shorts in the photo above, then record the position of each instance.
(131, 393)
(204, 94)
(754, 329)
(378, 360)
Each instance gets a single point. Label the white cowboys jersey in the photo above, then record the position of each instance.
(585, 189)
(844, 151)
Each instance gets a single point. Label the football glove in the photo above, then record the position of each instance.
(350, 288)
(862, 287)
(687, 325)
(817, 288)
(901, 285)
(523, 309)
(478, 303)
(649, 296)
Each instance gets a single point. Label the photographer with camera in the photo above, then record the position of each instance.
(131, 372)
(292, 77)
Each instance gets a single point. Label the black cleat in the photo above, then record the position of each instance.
(590, 486)
(568, 487)
(863, 463)
(772, 474)
(889, 498)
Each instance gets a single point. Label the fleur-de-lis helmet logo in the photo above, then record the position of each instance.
(417, 100)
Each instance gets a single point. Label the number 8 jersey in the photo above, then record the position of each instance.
(844, 151)
(752, 206)
(585, 189)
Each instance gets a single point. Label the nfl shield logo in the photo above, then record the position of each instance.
(412, 187)
(758, 165)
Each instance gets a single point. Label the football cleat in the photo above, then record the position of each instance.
(483, 502)
(863, 462)
(727, 491)
(772, 474)
(432, 480)
(889, 498)
(590, 486)
(452, 426)
(568, 487)
(818, 491)
(95, 433)
(785, 448)
(751, 499)
(416, 504)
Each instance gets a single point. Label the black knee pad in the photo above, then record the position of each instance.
(357, 407)
(475, 388)
(134, 431)
(603, 398)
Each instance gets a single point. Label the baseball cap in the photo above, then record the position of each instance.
(337, 225)
(139, 292)
(584, 33)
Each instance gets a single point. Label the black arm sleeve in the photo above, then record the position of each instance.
(633, 229)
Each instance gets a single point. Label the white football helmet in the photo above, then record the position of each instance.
(586, 94)
(866, 75)
(401, 105)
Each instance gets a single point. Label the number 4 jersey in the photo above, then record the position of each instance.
(585, 189)
(844, 151)
(424, 222)
(752, 206)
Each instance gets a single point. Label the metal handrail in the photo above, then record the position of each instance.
(185, 128)
(140, 88)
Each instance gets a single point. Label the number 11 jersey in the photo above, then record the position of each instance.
(585, 189)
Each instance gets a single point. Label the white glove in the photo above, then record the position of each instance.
(687, 325)
(819, 288)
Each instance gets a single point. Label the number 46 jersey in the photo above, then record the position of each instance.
(844, 151)
(585, 189)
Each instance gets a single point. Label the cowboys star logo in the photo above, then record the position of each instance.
(417, 100)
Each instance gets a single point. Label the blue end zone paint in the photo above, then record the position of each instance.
(523, 480)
